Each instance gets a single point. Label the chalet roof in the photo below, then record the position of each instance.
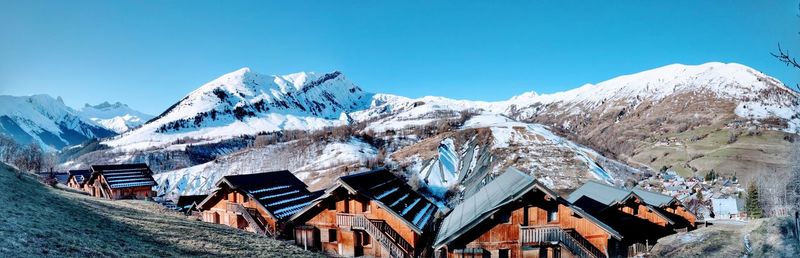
(724, 207)
(653, 198)
(504, 189)
(62, 177)
(80, 175)
(281, 193)
(124, 175)
(388, 190)
(187, 201)
(608, 195)
(596, 198)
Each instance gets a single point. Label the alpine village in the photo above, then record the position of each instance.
(402, 129)
(377, 214)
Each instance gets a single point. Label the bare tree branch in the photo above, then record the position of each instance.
(784, 57)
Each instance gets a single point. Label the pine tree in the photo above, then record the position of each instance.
(700, 195)
(711, 175)
(752, 205)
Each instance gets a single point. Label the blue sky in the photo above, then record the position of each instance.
(150, 54)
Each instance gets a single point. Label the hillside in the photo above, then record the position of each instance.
(688, 118)
(766, 238)
(39, 221)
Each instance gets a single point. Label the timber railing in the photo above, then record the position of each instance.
(381, 232)
(255, 225)
(576, 244)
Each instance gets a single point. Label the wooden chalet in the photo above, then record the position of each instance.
(373, 213)
(641, 216)
(124, 181)
(516, 216)
(259, 203)
(77, 178)
(189, 204)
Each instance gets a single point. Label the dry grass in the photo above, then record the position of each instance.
(768, 238)
(749, 156)
(41, 221)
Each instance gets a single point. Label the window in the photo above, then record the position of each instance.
(365, 206)
(552, 214)
(331, 235)
(504, 217)
(504, 253)
(470, 253)
(331, 205)
(635, 211)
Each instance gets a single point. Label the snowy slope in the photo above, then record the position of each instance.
(46, 121)
(244, 102)
(755, 94)
(116, 117)
(556, 161)
(390, 112)
(311, 163)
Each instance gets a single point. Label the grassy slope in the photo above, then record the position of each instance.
(39, 221)
(750, 154)
(768, 238)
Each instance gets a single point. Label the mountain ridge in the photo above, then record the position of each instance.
(117, 117)
(47, 121)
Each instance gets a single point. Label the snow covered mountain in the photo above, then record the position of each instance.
(116, 117)
(46, 121)
(755, 94)
(243, 102)
(652, 119)
(687, 118)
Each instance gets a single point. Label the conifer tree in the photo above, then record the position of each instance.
(753, 207)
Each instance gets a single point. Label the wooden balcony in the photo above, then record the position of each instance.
(555, 235)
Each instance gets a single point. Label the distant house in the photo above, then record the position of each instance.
(640, 216)
(725, 208)
(124, 181)
(77, 178)
(259, 203)
(188, 204)
(698, 208)
(373, 213)
(516, 216)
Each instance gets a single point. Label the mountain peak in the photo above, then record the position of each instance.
(106, 105)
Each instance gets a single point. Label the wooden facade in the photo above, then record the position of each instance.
(641, 217)
(126, 181)
(77, 179)
(258, 203)
(368, 214)
(532, 222)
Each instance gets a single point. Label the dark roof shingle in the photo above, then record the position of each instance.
(386, 188)
(280, 192)
(80, 175)
(124, 175)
